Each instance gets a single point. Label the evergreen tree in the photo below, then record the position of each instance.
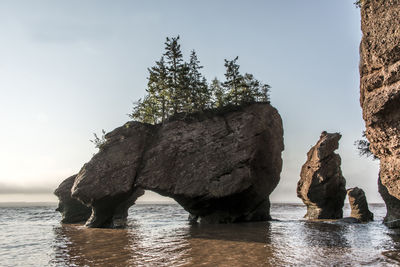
(263, 95)
(252, 90)
(183, 94)
(249, 88)
(157, 87)
(176, 69)
(204, 95)
(199, 94)
(176, 86)
(218, 94)
(233, 81)
(145, 110)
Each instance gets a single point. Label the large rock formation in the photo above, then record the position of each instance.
(380, 93)
(72, 210)
(322, 185)
(220, 167)
(359, 205)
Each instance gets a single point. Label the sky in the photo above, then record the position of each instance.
(69, 69)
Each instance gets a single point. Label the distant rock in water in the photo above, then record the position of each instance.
(380, 95)
(322, 185)
(220, 166)
(359, 205)
(72, 210)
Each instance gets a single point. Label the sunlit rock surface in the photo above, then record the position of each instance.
(380, 93)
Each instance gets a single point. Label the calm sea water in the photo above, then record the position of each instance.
(159, 235)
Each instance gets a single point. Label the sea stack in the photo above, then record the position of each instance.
(220, 166)
(322, 186)
(380, 95)
(359, 205)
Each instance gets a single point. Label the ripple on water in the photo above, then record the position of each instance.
(159, 235)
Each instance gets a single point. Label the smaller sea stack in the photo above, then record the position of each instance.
(359, 205)
(322, 185)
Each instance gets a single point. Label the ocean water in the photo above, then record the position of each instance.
(160, 235)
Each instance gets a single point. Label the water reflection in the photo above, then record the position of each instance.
(231, 245)
(161, 236)
(324, 234)
(392, 250)
(78, 246)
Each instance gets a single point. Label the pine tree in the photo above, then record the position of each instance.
(233, 81)
(146, 110)
(263, 95)
(176, 86)
(157, 87)
(199, 94)
(183, 95)
(249, 88)
(218, 94)
(204, 95)
(176, 69)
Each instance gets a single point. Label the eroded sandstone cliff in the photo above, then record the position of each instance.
(380, 93)
(220, 167)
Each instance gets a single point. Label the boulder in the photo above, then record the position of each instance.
(380, 93)
(322, 185)
(72, 210)
(220, 166)
(359, 205)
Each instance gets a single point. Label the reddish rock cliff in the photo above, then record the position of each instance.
(380, 93)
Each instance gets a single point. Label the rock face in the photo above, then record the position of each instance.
(380, 93)
(220, 167)
(359, 205)
(392, 219)
(72, 210)
(322, 185)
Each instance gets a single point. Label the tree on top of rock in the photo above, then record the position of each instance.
(175, 86)
(233, 81)
(157, 88)
(199, 95)
(176, 72)
(217, 92)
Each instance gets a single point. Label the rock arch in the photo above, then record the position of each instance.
(219, 166)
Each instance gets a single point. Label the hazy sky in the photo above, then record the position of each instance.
(71, 68)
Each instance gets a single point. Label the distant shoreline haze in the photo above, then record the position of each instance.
(149, 197)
